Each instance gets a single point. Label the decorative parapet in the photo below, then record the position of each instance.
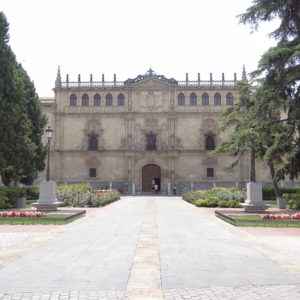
(150, 74)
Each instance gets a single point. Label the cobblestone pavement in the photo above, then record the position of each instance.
(149, 248)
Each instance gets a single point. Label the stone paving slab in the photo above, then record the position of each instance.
(280, 292)
(149, 248)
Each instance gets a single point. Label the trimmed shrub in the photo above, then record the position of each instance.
(107, 198)
(221, 197)
(4, 201)
(76, 195)
(9, 196)
(229, 204)
(269, 194)
(32, 193)
(293, 200)
(192, 196)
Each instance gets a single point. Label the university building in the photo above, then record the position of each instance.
(132, 134)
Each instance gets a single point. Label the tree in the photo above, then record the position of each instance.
(239, 123)
(280, 69)
(21, 121)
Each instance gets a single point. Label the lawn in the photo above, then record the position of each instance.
(59, 217)
(254, 220)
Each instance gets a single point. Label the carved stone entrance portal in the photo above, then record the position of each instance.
(151, 175)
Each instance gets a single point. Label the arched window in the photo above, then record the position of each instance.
(193, 99)
(73, 100)
(121, 100)
(92, 142)
(217, 99)
(85, 100)
(181, 99)
(108, 100)
(205, 99)
(97, 100)
(229, 99)
(210, 142)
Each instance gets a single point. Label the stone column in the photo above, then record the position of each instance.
(254, 201)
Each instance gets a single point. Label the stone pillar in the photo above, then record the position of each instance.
(254, 201)
(169, 189)
(133, 188)
(47, 199)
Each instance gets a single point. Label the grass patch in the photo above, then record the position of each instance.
(254, 220)
(59, 217)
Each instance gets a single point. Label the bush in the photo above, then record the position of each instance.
(222, 197)
(76, 195)
(293, 200)
(32, 193)
(192, 196)
(106, 198)
(229, 204)
(4, 201)
(9, 196)
(269, 193)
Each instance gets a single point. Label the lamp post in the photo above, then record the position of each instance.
(49, 132)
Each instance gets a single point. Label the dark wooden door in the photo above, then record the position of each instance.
(150, 174)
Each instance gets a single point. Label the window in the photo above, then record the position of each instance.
(97, 100)
(93, 172)
(229, 99)
(151, 141)
(121, 100)
(210, 172)
(205, 99)
(108, 100)
(217, 99)
(93, 142)
(85, 100)
(193, 99)
(181, 99)
(210, 142)
(73, 100)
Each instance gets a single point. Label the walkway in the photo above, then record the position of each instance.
(149, 248)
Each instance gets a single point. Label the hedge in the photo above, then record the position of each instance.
(269, 193)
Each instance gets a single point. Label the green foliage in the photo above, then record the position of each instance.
(293, 200)
(229, 204)
(107, 198)
(21, 122)
(81, 194)
(192, 196)
(4, 201)
(278, 89)
(9, 196)
(78, 194)
(287, 11)
(269, 193)
(32, 193)
(216, 197)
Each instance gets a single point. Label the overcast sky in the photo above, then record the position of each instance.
(127, 37)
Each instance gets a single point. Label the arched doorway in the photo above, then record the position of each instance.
(151, 174)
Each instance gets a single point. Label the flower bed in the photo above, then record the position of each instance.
(279, 217)
(241, 218)
(21, 213)
(22, 217)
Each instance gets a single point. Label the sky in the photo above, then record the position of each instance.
(126, 37)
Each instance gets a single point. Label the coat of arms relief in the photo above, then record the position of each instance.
(93, 127)
(151, 134)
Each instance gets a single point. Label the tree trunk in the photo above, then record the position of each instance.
(280, 201)
(252, 166)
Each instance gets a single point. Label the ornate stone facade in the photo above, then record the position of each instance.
(148, 120)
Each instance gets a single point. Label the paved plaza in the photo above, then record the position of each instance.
(149, 248)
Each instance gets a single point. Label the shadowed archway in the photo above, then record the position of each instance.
(151, 174)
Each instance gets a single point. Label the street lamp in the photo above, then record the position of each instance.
(49, 133)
